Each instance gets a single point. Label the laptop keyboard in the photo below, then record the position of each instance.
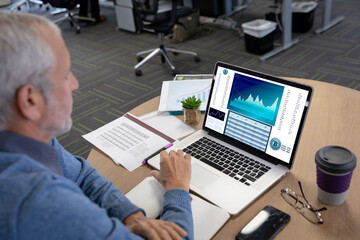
(238, 166)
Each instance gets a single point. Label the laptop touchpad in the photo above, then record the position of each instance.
(201, 177)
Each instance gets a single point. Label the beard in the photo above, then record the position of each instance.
(66, 126)
(58, 118)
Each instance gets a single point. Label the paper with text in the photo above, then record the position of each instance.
(128, 141)
(168, 124)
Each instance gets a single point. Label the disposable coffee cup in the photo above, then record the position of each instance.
(334, 168)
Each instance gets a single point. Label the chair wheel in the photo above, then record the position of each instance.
(197, 59)
(138, 72)
(78, 29)
(139, 58)
(71, 24)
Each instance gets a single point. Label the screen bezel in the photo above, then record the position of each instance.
(244, 146)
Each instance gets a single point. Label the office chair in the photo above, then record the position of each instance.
(73, 18)
(159, 17)
(28, 3)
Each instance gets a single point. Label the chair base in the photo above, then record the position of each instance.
(28, 4)
(73, 19)
(164, 57)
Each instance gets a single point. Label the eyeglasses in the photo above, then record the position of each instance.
(309, 212)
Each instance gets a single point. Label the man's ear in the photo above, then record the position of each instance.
(30, 102)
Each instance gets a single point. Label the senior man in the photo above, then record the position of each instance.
(45, 192)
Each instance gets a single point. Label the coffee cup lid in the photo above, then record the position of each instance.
(335, 159)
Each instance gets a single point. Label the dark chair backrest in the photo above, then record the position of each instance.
(68, 4)
(147, 6)
(148, 10)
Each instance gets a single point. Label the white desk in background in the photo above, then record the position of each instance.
(327, 22)
(287, 42)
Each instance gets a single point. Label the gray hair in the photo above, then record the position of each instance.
(25, 58)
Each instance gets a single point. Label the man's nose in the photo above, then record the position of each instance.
(74, 82)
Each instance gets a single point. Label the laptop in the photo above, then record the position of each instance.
(248, 141)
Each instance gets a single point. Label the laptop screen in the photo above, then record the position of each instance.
(261, 112)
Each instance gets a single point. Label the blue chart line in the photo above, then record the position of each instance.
(256, 99)
(203, 95)
(216, 114)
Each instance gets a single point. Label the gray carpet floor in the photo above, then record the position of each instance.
(103, 59)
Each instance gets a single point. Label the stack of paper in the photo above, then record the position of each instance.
(168, 124)
(180, 77)
(129, 141)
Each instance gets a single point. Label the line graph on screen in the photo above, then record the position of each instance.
(254, 98)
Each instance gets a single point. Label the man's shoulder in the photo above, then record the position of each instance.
(18, 163)
(14, 162)
(25, 184)
(36, 197)
(21, 176)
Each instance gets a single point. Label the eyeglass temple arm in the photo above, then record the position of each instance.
(321, 209)
(302, 192)
(313, 209)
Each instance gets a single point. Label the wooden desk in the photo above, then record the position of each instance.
(333, 119)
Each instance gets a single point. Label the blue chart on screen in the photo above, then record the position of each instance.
(255, 98)
(216, 114)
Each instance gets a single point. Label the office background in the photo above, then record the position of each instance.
(103, 59)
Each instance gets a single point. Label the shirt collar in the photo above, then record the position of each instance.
(41, 152)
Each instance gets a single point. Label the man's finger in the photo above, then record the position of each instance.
(180, 153)
(156, 175)
(172, 233)
(163, 153)
(169, 230)
(172, 153)
(178, 229)
(143, 229)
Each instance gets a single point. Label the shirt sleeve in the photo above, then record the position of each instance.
(56, 209)
(94, 185)
(176, 206)
(177, 209)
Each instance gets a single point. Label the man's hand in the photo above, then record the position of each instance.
(175, 170)
(149, 228)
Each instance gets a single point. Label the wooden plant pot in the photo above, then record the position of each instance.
(191, 116)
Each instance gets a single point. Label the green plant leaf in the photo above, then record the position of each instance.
(191, 103)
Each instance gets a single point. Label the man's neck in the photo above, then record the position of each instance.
(30, 131)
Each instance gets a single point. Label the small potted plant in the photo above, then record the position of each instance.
(191, 107)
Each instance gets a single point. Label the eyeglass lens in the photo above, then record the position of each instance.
(292, 198)
(289, 196)
(314, 217)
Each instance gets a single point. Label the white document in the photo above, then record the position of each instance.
(173, 92)
(180, 77)
(208, 218)
(168, 124)
(129, 141)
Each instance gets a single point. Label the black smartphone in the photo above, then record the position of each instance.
(265, 225)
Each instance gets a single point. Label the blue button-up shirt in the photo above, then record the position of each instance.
(47, 193)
